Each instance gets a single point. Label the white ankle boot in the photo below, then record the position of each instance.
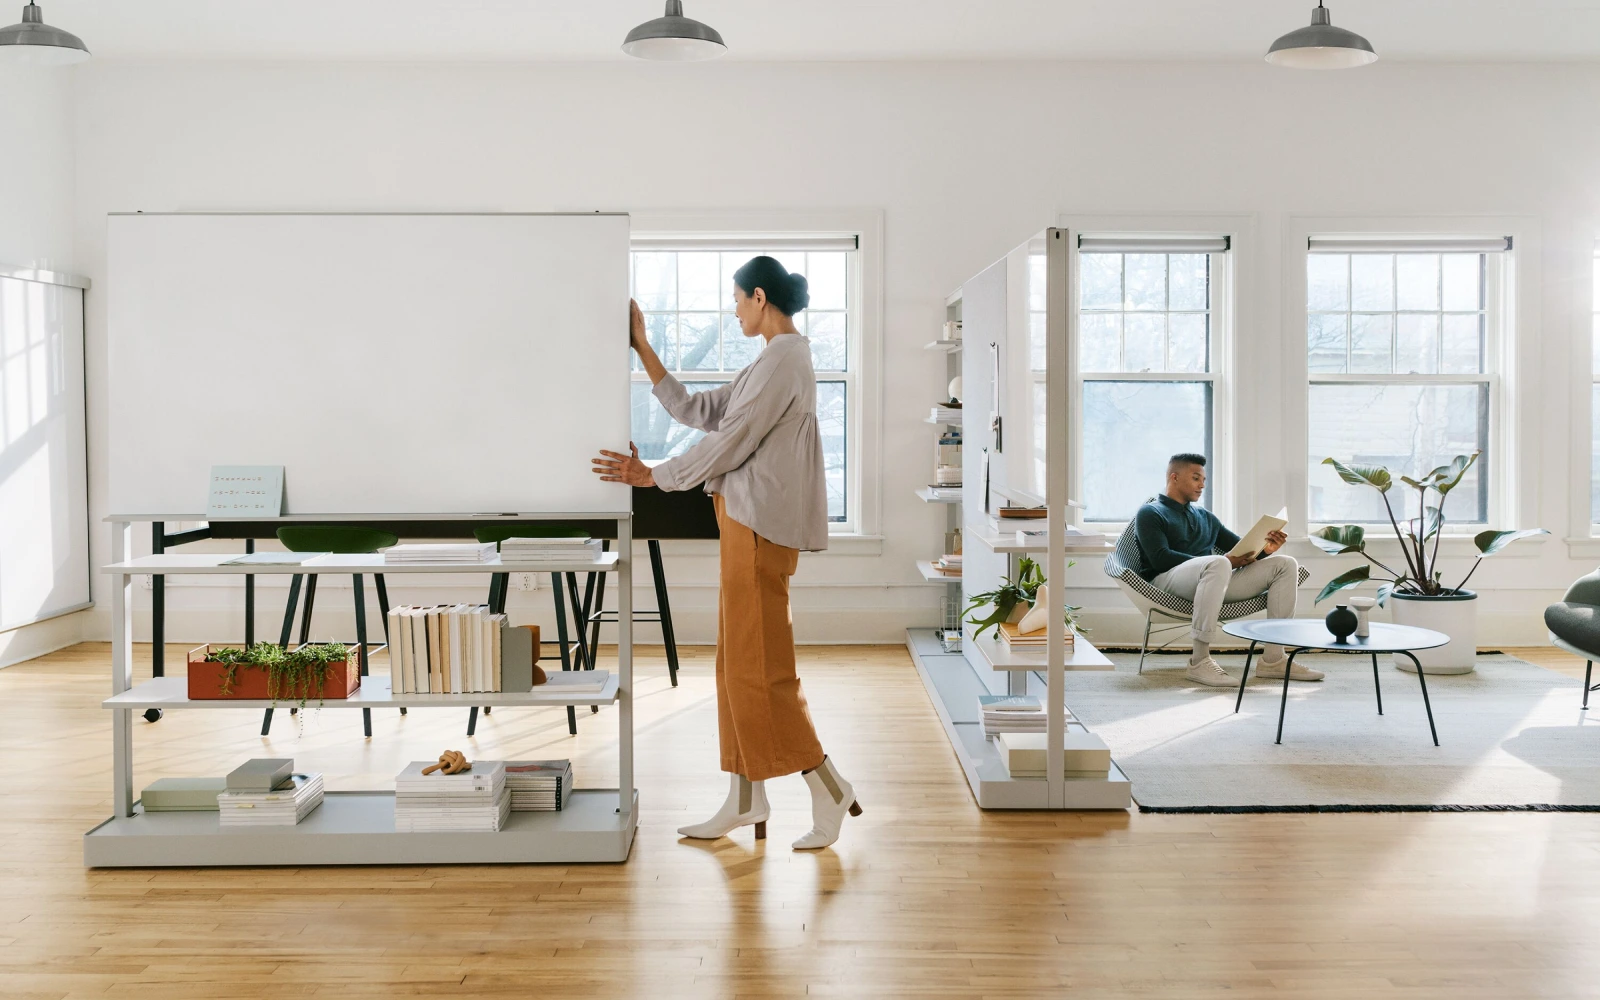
(831, 798)
(746, 805)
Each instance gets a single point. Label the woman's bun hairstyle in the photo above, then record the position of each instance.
(787, 292)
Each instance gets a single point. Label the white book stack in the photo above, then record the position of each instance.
(539, 785)
(1012, 714)
(475, 801)
(946, 414)
(445, 649)
(534, 551)
(284, 806)
(439, 552)
(1084, 755)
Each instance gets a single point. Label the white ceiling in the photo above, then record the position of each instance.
(515, 30)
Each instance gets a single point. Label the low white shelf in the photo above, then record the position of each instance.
(1081, 655)
(211, 563)
(357, 828)
(1007, 542)
(173, 693)
(944, 346)
(926, 496)
(932, 575)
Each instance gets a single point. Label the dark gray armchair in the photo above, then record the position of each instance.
(1574, 625)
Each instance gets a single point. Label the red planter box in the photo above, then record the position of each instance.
(252, 683)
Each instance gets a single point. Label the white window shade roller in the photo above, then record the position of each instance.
(1153, 244)
(1446, 244)
(751, 244)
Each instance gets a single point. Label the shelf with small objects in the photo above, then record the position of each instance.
(945, 485)
(1018, 335)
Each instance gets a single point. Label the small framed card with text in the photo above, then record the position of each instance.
(245, 491)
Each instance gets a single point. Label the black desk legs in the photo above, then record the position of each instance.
(283, 636)
(593, 620)
(1423, 680)
(249, 599)
(667, 637)
(383, 610)
(1588, 669)
(1248, 656)
(587, 653)
(1376, 687)
(1283, 706)
(361, 641)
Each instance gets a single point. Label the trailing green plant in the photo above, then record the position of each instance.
(298, 673)
(1419, 536)
(1005, 598)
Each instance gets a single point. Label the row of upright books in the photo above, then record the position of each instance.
(447, 648)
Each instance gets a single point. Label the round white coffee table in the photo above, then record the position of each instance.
(1300, 634)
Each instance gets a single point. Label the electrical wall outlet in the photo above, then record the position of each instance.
(525, 581)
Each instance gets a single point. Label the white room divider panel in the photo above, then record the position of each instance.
(393, 364)
(44, 497)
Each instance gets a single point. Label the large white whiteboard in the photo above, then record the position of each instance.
(44, 493)
(393, 364)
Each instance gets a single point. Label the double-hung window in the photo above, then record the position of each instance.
(1149, 315)
(1594, 405)
(684, 287)
(1402, 338)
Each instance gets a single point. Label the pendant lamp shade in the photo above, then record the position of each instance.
(36, 43)
(674, 38)
(1321, 46)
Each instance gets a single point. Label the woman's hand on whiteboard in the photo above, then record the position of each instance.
(638, 339)
(613, 467)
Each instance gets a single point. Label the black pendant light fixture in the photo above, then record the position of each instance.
(37, 43)
(1321, 46)
(674, 38)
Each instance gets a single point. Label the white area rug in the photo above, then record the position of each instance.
(1511, 736)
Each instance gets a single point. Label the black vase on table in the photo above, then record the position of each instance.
(1342, 622)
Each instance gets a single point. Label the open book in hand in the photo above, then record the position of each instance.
(1256, 538)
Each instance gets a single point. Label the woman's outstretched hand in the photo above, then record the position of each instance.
(637, 338)
(613, 467)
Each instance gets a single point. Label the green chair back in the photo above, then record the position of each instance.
(340, 538)
(498, 533)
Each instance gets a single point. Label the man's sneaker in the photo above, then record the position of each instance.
(1301, 672)
(1207, 672)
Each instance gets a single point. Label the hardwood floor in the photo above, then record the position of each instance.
(924, 896)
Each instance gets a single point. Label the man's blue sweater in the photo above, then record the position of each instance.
(1170, 533)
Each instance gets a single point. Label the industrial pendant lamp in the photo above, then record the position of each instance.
(37, 43)
(1321, 46)
(674, 38)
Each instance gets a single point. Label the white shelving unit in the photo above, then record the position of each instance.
(947, 346)
(932, 574)
(1081, 655)
(357, 828)
(926, 496)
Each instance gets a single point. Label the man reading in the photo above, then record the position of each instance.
(1178, 545)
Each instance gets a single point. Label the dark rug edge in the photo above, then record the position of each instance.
(1352, 808)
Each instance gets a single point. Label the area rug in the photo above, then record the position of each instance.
(1511, 735)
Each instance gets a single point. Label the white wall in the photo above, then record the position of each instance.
(36, 230)
(964, 160)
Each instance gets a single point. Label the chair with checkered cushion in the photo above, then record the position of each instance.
(1154, 602)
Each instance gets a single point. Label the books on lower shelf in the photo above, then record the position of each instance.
(1085, 754)
(1015, 639)
(439, 552)
(285, 806)
(1007, 713)
(535, 551)
(451, 648)
(475, 801)
(950, 565)
(539, 785)
(182, 794)
(944, 413)
(945, 491)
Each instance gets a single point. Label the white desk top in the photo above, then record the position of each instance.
(181, 564)
(488, 518)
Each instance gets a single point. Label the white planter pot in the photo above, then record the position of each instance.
(1455, 615)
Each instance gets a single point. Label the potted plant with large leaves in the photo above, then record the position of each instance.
(1416, 585)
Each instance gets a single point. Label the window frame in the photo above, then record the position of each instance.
(1228, 482)
(1511, 492)
(863, 369)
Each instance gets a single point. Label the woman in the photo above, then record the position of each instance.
(761, 460)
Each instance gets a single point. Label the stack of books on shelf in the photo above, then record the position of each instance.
(1012, 713)
(447, 649)
(1085, 756)
(944, 413)
(949, 565)
(949, 492)
(539, 785)
(536, 551)
(439, 552)
(475, 801)
(266, 792)
(1037, 640)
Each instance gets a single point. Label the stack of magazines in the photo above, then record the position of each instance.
(524, 551)
(285, 805)
(1003, 713)
(439, 552)
(475, 801)
(539, 785)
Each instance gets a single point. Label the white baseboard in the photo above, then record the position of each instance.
(28, 641)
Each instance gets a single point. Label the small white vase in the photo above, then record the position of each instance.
(1456, 615)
